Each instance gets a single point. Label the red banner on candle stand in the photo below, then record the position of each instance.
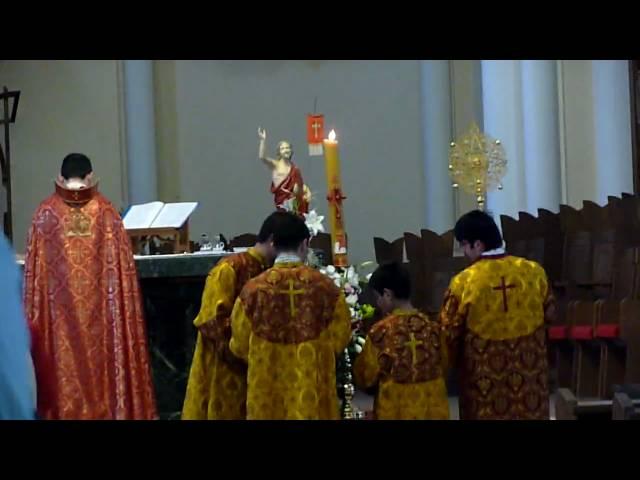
(315, 134)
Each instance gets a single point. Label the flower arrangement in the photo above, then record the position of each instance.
(314, 222)
(352, 282)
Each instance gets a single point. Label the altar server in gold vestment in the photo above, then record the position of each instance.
(289, 324)
(494, 314)
(403, 356)
(217, 387)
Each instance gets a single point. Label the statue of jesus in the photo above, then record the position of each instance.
(288, 188)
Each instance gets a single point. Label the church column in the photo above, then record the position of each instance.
(502, 111)
(541, 135)
(612, 128)
(140, 131)
(436, 114)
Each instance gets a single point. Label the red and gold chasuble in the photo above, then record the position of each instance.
(217, 388)
(289, 324)
(494, 319)
(83, 305)
(405, 358)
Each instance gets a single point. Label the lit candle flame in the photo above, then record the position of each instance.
(332, 135)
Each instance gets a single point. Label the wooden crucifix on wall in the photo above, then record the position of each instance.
(8, 117)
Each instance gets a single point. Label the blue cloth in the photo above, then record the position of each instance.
(16, 383)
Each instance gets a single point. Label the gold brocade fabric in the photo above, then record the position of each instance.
(405, 357)
(289, 324)
(494, 319)
(217, 386)
(83, 305)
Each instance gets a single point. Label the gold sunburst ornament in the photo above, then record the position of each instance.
(477, 164)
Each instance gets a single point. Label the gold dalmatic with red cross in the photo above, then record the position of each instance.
(404, 360)
(289, 324)
(494, 321)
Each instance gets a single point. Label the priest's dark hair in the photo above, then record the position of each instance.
(75, 165)
(394, 277)
(271, 224)
(478, 225)
(289, 231)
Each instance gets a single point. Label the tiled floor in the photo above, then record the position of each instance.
(365, 402)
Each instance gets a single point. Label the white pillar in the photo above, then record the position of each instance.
(541, 135)
(140, 128)
(436, 115)
(502, 111)
(612, 128)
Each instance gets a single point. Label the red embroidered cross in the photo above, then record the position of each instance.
(504, 289)
(336, 196)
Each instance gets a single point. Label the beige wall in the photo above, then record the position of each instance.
(575, 110)
(207, 113)
(166, 113)
(373, 105)
(576, 106)
(65, 106)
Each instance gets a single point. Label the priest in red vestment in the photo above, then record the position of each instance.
(83, 304)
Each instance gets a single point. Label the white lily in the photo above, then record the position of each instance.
(314, 222)
(352, 276)
(331, 269)
(352, 299)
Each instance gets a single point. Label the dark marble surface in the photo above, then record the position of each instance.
(176, 266)
(171, 305)
(172, 289)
